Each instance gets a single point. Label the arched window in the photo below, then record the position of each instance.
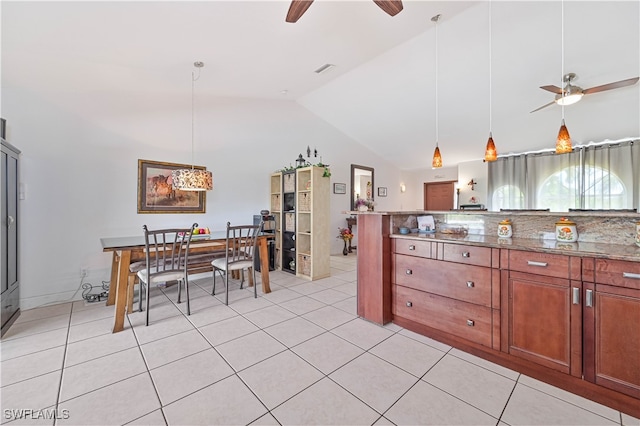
(507, 197)
(597, 187)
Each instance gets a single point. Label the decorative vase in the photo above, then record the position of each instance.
(363, 208)
(345, 251)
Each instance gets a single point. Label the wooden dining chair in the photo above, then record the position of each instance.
(167, 256)
(240, 250)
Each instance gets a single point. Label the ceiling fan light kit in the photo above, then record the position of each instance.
(571, 93)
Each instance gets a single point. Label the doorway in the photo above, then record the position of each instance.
(439, 195)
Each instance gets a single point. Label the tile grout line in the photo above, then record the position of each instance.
(62, 367)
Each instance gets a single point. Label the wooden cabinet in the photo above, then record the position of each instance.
(448, 287)
(544, 315)
(10, 296)
(612, 324)
(300, 204)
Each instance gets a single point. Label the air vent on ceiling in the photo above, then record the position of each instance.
(324, 68)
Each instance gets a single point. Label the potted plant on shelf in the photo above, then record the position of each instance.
(364, 205)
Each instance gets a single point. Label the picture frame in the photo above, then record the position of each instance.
(382, 191)
(339, 188)
(156, 195)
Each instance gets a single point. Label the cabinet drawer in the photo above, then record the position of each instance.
(470, 255)
(463, 282)
(466, 320)
(552, 265)
(412, 247)
(618, 273)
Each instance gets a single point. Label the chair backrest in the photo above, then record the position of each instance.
(167, 250)
(242, 241)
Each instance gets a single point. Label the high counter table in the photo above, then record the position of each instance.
(129, 249)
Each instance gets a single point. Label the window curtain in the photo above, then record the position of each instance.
(507, 183)
(604, 176)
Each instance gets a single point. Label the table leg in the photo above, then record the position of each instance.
(121, 290)
(111, 299)
(264, 265)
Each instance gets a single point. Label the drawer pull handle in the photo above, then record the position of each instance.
(465, 254)
(412, 247)
(576, 295)
(409, 304)
(533, 263)
(470, 284)
(589, 299)
(470, 323)
(631, 275)
(409, 272)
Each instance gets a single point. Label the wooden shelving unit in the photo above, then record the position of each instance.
(276, 211)
(301, 200)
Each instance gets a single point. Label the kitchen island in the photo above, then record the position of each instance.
(564, 313)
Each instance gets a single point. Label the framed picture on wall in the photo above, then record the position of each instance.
(156, 193)
(339, 188)
(382, 191)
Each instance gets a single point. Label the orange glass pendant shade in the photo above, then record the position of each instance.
(563, 143)
(490, 153)
(437, 158)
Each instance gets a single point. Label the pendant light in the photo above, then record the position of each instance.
(490, 152)
(563, 142)
(192, 179)
(437, 158)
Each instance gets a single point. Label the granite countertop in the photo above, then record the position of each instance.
(582, 249)
(603, 213)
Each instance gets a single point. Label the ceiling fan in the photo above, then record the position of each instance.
(572, 94)
(299, 7)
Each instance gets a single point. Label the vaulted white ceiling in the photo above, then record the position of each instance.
(382, 92)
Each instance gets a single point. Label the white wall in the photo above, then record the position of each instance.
(479, 172)
(79, 168)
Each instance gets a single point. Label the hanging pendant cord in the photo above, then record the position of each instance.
(193, 84)
(562, 54)
(437, 119)
(490, 80)
(193, 81)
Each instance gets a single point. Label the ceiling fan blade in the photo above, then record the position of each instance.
(616, 85)
(392, 7)
(297, 9)
(552, 89)
(543, 106)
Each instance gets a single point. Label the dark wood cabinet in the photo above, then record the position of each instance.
(544, 314)
(612, 325)
(450, 288)
(563, 318)
(10, 296)
(544, 323)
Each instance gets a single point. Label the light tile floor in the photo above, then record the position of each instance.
(298, 355)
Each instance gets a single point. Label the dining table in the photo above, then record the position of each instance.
(132, 249)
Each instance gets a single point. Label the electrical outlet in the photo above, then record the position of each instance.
(84, 271)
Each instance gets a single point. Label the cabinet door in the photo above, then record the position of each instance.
(545, 321)
(612, 337)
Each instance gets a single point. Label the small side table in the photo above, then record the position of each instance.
(351, 221)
